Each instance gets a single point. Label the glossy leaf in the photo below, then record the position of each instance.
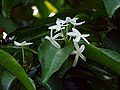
(106, 57)
(111, 6)
(6, 79)
(42, 8)
(7, 6)
(51, 58)
(55, 83)
(32, 33)
(7, 25)
(12, 65)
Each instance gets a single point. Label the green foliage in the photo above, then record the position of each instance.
(47, 67)
(6, 79)
(111, 6)
(11, 64)
(52, 58)
(106, 57)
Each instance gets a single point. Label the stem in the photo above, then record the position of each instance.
(48, 86)
(65, 34)
(23, 54)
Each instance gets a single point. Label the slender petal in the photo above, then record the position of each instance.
(53, 38)
(54, 43)
(57, 35)
(17, 43)
(84, 59)
(75, 60)
(78, 35)
(73, 21)
(11, 38)
(47, 37)
(82, 48)
(76, 31)
(68, 19)
(77, 39)
(78, 23)
(24, 43)
(74, 52)
(60, 22)
(72, 34)
(76, 45)
(85, 35)
(78, 52)
(85, 40)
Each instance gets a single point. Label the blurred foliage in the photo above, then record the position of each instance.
(49, 68)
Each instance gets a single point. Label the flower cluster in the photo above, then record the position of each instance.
(60, 28)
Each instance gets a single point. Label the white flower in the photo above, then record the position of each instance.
(53, 38)
(24, 43)
(78, 52)
(78, 35)
(4, 35)
(73, 21)
(11, 38)
(60, 25)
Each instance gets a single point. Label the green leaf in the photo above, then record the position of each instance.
(7, 25)
(7, 6)
(44, 12)
(111, 6)
(12, 65)
(52, 58)
(32, 33)
(6, 79)
(55, 83)
(105, 57)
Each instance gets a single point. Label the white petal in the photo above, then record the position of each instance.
(76, 31)
(85, 40)
(47, 37)
(61, 28)
(60, 21)
(54, 43)
(4, 35)
(85, 35)
(57, 35)
(72, 34)
(75, 60)
(78, 23)
(77, 39)
(68, 19)
(11, 38)
(73, 21)
(84, 58)
(53, 27)
(26, 44)
(76, 45)
(17, 43)
(74, 52)
(82, 48)
(51, 33)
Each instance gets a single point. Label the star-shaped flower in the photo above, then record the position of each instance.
(73, 21)
(78, 35)
(78, 52)
(52, 39)
(59, 25)
(24, 43)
